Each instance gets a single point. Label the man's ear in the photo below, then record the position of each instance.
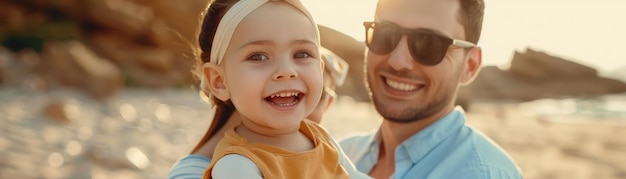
(215, 81)
(472, 67)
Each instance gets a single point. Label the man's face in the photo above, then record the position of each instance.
(402, 89)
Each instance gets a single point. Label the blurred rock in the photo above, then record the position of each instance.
(539, 66)
(105, 78)
(117, 158)
(105, 156)
(154, 59)
(20, 69)
(56, 111)
(31, 60)
(150, 41)
(127, 53)
(61, 68)
(111, 46)
(12, 16)
(6, 57)
(146, 66)
(69, 7)
(147, 43)
(536, 75)
(32, 63)
(122, 16)
(73, 64)
(619, 74)
(181, 17)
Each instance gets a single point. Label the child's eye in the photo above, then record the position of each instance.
(258, 57)
(302, 54)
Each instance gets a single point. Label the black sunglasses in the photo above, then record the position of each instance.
(426, 47)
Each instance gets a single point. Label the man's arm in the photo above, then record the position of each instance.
(190, 167)
(346, 163)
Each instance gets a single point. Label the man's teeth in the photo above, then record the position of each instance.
(400, 86)
(289, 94)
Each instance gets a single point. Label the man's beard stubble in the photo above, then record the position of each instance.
(411, 113)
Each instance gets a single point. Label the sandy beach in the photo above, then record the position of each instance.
(140, 133)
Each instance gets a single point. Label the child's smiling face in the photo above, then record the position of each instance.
(272, 68)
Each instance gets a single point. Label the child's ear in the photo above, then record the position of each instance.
(472, 67)
(215, 81)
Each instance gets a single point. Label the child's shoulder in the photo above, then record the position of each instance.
(235, 166)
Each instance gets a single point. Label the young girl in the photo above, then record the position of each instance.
(262, 59)
(193, 165)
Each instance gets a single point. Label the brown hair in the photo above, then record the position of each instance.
(206, 33)
(471, 17)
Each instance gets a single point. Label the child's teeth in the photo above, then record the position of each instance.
(290, 94)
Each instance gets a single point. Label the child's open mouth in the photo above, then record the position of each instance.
(284, 99)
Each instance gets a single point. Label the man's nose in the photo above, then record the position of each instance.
(400, 58)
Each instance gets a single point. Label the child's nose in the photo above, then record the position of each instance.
(286, 70)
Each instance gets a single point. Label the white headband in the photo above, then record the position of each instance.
(226, 27)
(233, 17)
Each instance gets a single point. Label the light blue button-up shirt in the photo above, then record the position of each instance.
(447, 149)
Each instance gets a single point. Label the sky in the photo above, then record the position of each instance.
(591, 32)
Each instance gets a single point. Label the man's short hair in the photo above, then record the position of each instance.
(471, 17)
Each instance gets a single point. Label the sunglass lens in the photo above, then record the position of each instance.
(381, 39)
(427, 49)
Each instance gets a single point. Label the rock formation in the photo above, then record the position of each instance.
(535, 75)
(103, 45)
(98, 45)
(619, 74)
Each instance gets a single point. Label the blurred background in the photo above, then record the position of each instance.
(103, 88)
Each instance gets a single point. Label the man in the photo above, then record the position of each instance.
(419, 53)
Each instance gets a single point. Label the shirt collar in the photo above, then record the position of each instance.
(418, 145)
(374, 141)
